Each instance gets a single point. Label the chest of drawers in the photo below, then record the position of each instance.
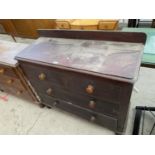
(12, 79)
(88, 73)
(87, 24)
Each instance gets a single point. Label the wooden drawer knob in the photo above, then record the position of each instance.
(2, 71)
(42, 76)
(19, 92)
(92, 104)
(49, 91)
(90, 89)
(10, 81)
(92, 118)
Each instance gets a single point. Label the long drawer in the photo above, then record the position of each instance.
(88, 102)
(74, 82)
(101, 119)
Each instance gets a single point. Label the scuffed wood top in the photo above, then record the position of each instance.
(113, 59)
(8, 51)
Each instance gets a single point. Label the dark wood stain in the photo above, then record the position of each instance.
(68, 86)
(97, 35)
(101, 119)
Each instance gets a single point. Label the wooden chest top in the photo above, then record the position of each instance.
(111, 59)
(8, 51)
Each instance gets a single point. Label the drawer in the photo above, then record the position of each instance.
(107, 90)
(88, 102)
(11, 82)
(107, 25)
(73, 82)
(101, 119)
(20, 92)
(16, 87)
(4, 70)
(43, 73)
(62, 24)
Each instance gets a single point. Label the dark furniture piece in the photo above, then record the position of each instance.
(132, 22)
(140, 115)
(88, 73)
(12, 79)
(141, 23)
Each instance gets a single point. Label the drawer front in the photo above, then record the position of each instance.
(104, 120)
(63, 25)
(95, 87)
(20, 92)
(16, 87)
(43, 74)
(7, 71)
(73, 82)
(107, 25)
(11, 82)
(88, 102)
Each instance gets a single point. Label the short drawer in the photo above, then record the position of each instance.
(11, 82)
(4, 70)
(40, 74)
(91, 103)
(20, 92)
(16, 87)
(107, 25)
(101, 119)
(63, 24)
(95, 87)
(74, 82)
